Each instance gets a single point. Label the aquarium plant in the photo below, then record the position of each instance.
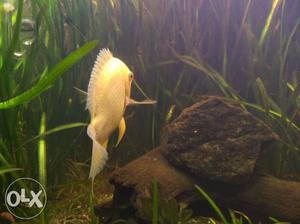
(247, 51)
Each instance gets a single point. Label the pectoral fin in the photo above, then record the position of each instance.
(82, 95)
(131, 102)
(122, 128)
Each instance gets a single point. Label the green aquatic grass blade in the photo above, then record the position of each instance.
(276, 221)
(268, 102)
(267, 23)
(239, 35)
(155, 203)
(211, 73)
(4, 156)
(273, 114)
(55, 130)
(8, 57)
(94, 219)
(233, 217)
(140, 89)
(56, 72)
(42, 152)
(287, 47)
(263, 93)
(6, 159)
(282, 223)
(42, 160)
(283, 76)
(212, 204)
(8, 170)
(212, 221)
(243, 216)
(44, 9)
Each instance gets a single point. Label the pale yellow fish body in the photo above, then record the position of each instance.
(108, 91)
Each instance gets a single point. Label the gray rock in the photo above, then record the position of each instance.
(216, 139)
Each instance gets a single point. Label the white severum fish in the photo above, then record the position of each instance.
(107, 97)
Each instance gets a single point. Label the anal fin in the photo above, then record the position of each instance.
(99, 154)
(122, 128)
(99, 158)
(105, 144)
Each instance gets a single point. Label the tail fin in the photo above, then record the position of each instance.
(99, 154)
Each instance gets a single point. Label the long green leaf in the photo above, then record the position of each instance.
(8, 58)
(56, 72)
(42, 152)
(155, 203)
(42, 155)
(211, 73)
(56, 129)
(267, 24)
(213, 204)
(8, 170)
(243, 216)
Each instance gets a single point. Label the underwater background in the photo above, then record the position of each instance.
(179, 50)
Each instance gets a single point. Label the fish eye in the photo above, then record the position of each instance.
(130, 75)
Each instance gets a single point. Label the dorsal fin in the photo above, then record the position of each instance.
(103, 56)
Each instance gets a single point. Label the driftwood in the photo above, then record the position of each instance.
(217, 145)
(264, 196)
